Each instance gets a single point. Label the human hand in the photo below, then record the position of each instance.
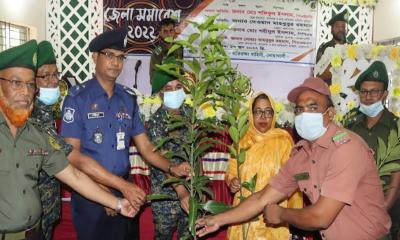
(110, 212)
(206, 225)
(179, 170)
(272, 214)
(134, 194)
(127, 209)
(234, 185)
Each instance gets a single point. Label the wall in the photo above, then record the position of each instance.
(30, 13)
(386, 20)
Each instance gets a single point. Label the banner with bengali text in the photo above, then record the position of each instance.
(261, 30)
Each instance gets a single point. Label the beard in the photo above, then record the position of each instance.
(339, 36)
(17, 117)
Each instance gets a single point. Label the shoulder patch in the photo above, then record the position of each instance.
(53, 143)
(341, 137)
(75, 90)
(130, 91)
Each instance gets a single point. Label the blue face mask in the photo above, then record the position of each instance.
(49, 96)
(372, 110)
(174, 99)
(310, 126)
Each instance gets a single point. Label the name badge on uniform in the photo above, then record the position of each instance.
(120, 140)
(94, 115)
(301, 176)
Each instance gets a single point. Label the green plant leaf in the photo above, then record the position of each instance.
(242, 120)
(244, 130)
(207, 190)
(175, 125)
(381, 151)
(216, 207)
(201, 149)
(390, 167)
(155, 196)
(173, 49)
(242, 156)
(253, 182)
(173, 180)
(210, 20)
(193, 37)
(193, 211)
(234, 133)
(232, 151)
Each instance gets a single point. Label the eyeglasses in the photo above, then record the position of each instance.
(16, 85)
(312, 108)
(372, 92)
(111, 56)
(49, 77)
(266, 113)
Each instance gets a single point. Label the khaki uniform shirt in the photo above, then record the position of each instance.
(21, 159)
(340, 166)
(158, 56)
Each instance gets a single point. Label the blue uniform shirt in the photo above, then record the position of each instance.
(89, 115)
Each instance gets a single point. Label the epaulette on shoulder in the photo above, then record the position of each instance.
(130, 91)
(341, 137)
(76, 90)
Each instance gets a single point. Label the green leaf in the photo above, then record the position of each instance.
(208, 191)
(242, 156)
(244, 130)
(173, 48)
(210, 20)
(242, 121)
(247, 185)
(173, 180)
(201, 149)
(253, 182)
(216, 207)
(231, 120)
(234, 133)
(232, 151)
(175, 125)
(381, 151)
(155, 196)
(193, 207)
(392, 139)
(193, 37)
(390, 167)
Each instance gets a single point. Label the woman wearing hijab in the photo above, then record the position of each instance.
(268, 148)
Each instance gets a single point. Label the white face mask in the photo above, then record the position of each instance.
(174, 99)
(49, 96)
(372, 110)
(310, 126)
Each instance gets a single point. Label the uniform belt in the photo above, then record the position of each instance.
(25, 234)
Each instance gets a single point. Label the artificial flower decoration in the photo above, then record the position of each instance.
(336, 60)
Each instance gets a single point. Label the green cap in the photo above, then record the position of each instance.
(343, 16)
(160, 77)
(375, 72)
(23, 55)
(45, 54)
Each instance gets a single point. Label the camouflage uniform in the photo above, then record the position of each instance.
(167, 215)
(159, 54)
(49, 187)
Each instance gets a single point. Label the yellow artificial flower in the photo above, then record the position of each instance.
(219, 103)
(189, 101)
(350, 105)
(394, 54)
(396, 92)
(338, 117)
(152, 100)
(335, 88)
(354, 2)
(208, 110)
(376, 50)
(336, 60)
(352, 51)
(278, 107)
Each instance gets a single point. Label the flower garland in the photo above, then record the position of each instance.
(348, 62)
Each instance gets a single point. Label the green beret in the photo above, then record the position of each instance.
(343, 16)
(45, 54)
(23, 55)
(375, 72)
(160, 77)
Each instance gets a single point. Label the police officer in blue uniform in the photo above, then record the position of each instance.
(100, 117)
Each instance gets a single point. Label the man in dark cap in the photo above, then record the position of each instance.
(372, 120)
(25, 149)
(332, 166)
(160, 52)
(100, 118)
(338, 25)
(168, 216)
(47, 80)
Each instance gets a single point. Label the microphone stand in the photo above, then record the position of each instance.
(135, 85)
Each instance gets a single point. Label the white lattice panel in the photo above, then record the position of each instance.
(361, 30)
(70, 27)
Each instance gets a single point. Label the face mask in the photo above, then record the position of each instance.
(310, 125)
(371, 110)
(174, 99)
(49, 96)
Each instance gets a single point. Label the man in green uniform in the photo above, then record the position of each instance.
(167, 29)
(338, 25)
(47, 81)
(372, 121)
(25, 149)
